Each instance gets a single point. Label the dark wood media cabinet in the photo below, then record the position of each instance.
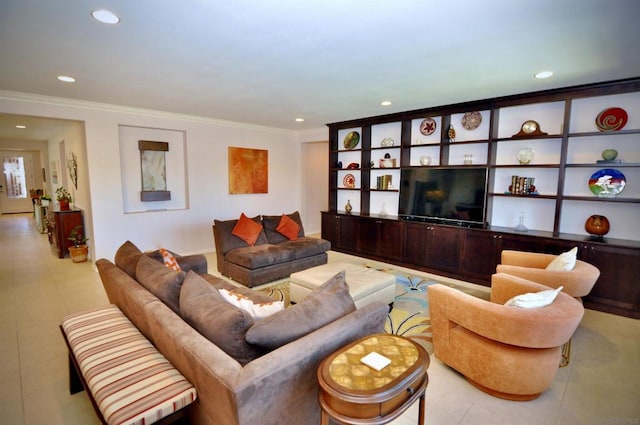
(472, 254)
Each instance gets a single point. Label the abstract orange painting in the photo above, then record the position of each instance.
(248, 170)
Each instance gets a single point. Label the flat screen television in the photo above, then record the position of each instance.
(453, 195)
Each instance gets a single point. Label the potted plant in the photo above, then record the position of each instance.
(64, 198)
(44, 200)
(79, 251)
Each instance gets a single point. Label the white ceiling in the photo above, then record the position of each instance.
(268, 62)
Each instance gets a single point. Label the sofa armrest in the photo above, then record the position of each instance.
(526, 259)
(543, 327)
(289, 372)
(577, 282)
(196, 263)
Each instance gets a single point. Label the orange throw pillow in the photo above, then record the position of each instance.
(247, 230)
(169, 260)
(288, 228)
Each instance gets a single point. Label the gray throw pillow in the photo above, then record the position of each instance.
(127, 257)
(161, 281)
(322, 306)
(223, 324)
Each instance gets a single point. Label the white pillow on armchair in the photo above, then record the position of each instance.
(564, 262)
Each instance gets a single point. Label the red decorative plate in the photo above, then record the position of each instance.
(611, 119)
(428, 126)
(349, 181)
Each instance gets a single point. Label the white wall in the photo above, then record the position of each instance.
(314, 162)
(184, 231)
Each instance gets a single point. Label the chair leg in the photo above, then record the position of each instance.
(566, 354)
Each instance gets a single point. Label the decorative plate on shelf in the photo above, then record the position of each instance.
(387, 142)
(611, 119)
(428, 126)
(607, 182)
(471, 120)
(525, 156)
(349, 181)
(351, 140)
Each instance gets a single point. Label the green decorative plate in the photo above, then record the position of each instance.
(351, 140)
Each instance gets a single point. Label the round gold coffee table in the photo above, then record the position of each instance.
(353, 393)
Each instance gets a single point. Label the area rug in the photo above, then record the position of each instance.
(409, 315)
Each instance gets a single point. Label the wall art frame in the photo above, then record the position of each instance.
(131, 169)
(153, 171)
(248, 170)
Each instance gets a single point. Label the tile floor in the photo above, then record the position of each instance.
(601, 386)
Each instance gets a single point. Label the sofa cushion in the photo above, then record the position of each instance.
(169, 260)
(195, 262)
(161, 281)
(255, 257)
(271, 222)
(247, 230)
(306, 247)
(227, 241)
(322, 306)
(564, 262)
(534, 299)
(257, 310)
(288, 228)
(220, 322)
(127, 257)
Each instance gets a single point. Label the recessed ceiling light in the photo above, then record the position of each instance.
(299, 119)
(66, 79)
(543, 74)
(21, 126)
(385, 103)
(105, 16)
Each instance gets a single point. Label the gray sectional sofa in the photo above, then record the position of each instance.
(273, 256)
(271, 380)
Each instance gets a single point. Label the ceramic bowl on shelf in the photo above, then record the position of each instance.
(609, 154)
(597, 225)
(525, 156)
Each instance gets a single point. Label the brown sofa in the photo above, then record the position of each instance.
(508, 352)
(278, 386)
(272, 257)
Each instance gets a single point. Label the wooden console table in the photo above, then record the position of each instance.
(353, 393)
(59, 226)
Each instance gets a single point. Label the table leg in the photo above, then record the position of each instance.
(324, 418)
(421, 411)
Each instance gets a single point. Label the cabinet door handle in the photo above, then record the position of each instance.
(378, 221)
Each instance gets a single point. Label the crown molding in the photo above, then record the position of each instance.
(152, 113)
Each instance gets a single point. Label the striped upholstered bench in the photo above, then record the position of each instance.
(126, 378)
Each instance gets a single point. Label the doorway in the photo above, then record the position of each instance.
(315, 184)
(17, 179)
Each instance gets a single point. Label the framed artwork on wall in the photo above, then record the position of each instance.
(153, 167)
(153, 170)
(248, 170)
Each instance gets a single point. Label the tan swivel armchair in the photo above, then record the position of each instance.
(508, 352)
(577, 282)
